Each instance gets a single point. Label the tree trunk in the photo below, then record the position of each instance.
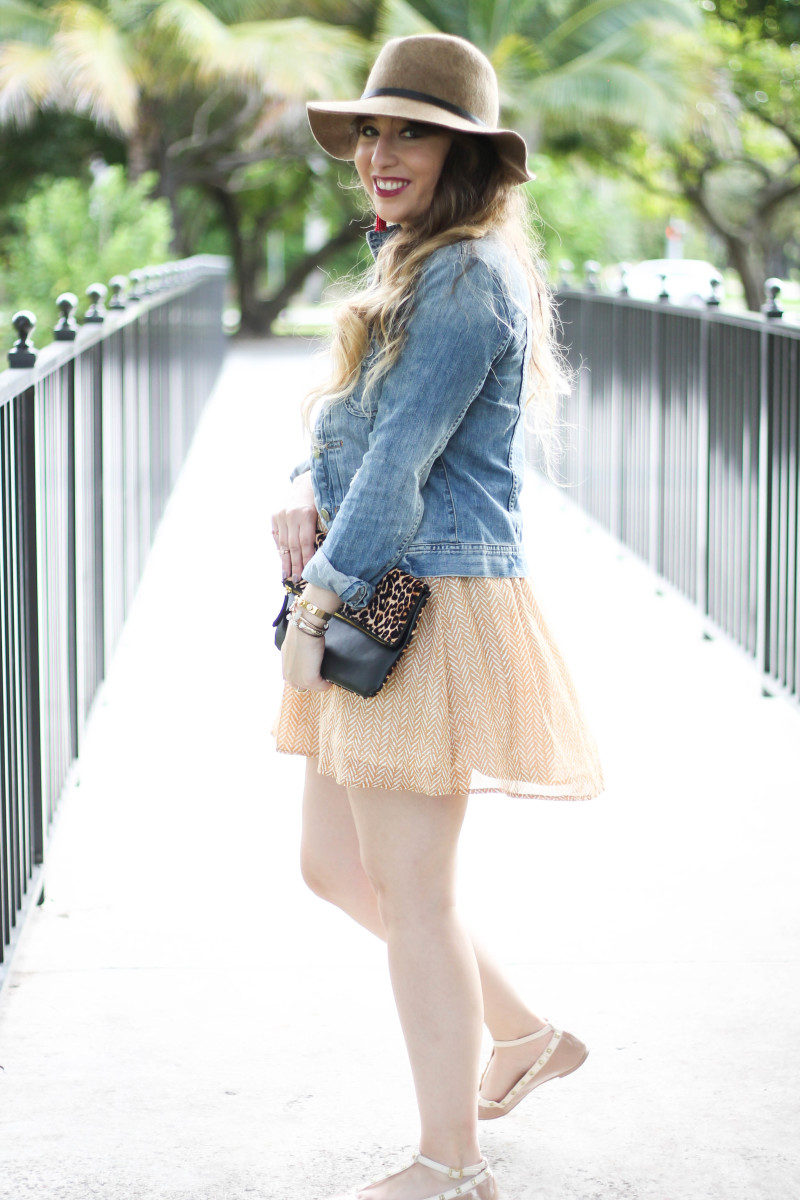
(742, 256)
(259, 315)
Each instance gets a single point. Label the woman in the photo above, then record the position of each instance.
(418, 460)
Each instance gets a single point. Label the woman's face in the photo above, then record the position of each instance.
(407, 157)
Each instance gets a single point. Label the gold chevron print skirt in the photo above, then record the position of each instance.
(481, 701)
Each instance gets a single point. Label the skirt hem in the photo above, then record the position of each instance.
(406, 785)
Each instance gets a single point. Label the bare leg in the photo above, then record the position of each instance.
(408, 845)
(332, 867)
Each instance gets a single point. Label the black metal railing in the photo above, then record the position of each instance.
(685, 444)
(92, 436)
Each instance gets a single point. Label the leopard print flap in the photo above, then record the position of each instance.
(386, 615)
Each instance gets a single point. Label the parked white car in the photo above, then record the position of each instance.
(688, 280)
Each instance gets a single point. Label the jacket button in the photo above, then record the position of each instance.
(326, 516)
(317, 453)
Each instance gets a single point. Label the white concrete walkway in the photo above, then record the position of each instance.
(184, 1020)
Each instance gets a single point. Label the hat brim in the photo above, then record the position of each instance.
(330, 124)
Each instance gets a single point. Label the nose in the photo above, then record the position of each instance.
(384, 152)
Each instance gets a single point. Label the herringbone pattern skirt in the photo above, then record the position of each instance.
(481, 701)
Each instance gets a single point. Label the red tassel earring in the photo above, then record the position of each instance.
(379, 223)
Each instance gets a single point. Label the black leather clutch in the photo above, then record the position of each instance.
(364, 645)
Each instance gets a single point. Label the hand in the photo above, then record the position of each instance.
(301, 655)
(294, 528)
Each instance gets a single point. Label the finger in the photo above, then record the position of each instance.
(295, 554)
(307, 534)
(282, 543)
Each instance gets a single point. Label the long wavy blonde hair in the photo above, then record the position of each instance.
(472, 198)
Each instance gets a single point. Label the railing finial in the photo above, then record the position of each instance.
(66, 329)
(772, 289)
(117, 283)
(96, 313)
(23, 352)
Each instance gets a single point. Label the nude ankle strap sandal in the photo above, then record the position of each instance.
(469, 1179)
(563, 1054)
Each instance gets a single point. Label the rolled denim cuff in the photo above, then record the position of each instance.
(320, 571)
(301, 468)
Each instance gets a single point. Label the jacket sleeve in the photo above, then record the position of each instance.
(300, 469)
(454, 334)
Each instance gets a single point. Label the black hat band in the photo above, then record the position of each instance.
(407, 94)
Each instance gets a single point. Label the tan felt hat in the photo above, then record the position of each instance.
(432, 77)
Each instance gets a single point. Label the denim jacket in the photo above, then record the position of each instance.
(428, 478)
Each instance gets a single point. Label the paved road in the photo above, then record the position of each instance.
(184, 1020)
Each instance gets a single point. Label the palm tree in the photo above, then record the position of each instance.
(201, 90)
(565, 66)
(122, 61)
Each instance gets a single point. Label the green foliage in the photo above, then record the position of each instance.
(70, 233)
(778, 20)
(585, 215)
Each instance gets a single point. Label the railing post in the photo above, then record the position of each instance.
(25, 453)
(615, 465)
(764, 506)
(702, 467)
(654, 456)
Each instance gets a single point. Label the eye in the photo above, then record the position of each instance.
(414, 129)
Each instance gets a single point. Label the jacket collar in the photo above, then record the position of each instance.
(376, 238)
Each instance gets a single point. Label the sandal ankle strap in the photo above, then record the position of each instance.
(470, 1176)
(530, 1037)
(451, 1172)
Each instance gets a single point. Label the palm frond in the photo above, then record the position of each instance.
(517, 61)
(641, 89)
(297, 57)
(26, 79)
(25, 22)
(195, 29)
(590, 25)
(94, 62)
(399, 18)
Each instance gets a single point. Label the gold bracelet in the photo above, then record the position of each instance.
(306, 626)
(295, 609)
(315, 609)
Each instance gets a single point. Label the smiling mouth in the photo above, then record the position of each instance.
(390, 187)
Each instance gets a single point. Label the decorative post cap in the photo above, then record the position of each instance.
(96, 313)
(117, 283)
(23, 352)
(137, 284)
(772, 288)
(66, 329)
(591, 268)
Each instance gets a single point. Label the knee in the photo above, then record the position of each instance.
(410, 897)
(327, 877)
(317, 874)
